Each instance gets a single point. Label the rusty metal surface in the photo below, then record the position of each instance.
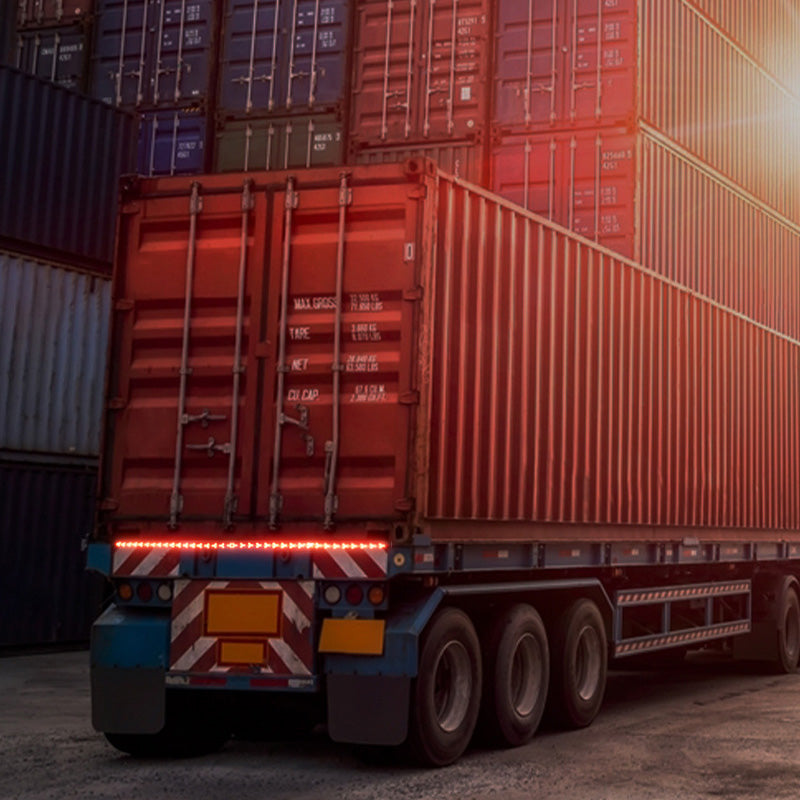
(34, 13)
(420, 70)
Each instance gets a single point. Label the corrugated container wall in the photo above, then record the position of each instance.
(40, 13)
(45, 512)
(278, 58)
(53, 341)
(421, 71)
(768, 30)
(578, 65)
(151, 55)
(61, 156)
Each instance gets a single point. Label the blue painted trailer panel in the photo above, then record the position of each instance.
(283, 57)
(172, 143)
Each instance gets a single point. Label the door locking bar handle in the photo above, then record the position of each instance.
(204, 417)
(211, 447)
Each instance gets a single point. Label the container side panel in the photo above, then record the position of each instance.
(569, 386)
(58, 55)
(63, 154)
(44, 514)
(54, 334)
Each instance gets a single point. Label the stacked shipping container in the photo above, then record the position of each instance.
(62, 156)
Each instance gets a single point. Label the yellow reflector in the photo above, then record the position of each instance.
(242, 652)
(243, 613)
(356, 636)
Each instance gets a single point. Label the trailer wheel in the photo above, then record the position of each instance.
(788, 646)
(516, 677)
(447, 692)
(578, 666)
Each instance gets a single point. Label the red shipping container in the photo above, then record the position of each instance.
(421, 71)
(497, 378)
(39, 13)
(643, 197)
(583, 180)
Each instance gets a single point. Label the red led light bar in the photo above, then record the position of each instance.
(168, 544)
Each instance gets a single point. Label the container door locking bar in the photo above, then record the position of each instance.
(275, 499)
(332, 447)
(176, 499)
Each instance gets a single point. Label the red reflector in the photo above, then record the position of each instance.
(354, 594)
(144, 591)
(208, 681)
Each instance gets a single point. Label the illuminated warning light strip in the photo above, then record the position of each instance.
(135, 544)
(692, 592)
(684, 637)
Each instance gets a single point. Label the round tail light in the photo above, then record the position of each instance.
(144, 591)
(354, 594)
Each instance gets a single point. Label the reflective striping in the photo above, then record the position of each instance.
(351, 564)
(643, 597)
(289, 654)
(683, 637)
(160, 562)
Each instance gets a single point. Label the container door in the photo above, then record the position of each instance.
(184, 388)
(341, 358)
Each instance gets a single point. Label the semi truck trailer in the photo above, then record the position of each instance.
(386, 451)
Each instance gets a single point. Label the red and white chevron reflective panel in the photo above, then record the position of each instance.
(152, 562)
(286, 651)
(333, 564)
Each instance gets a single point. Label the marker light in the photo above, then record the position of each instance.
(170, 544)
(125, 591)
(164, 592)
(332, 594)
(376, 595)
(354, 594)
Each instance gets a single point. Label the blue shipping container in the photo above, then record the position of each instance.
(53, 341)
(172, 143)
(61, 157)
(284, 57)
(57, 55)
(153, 53)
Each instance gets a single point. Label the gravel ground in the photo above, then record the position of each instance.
(706, 730)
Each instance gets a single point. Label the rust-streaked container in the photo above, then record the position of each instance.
(42, 13)
(641, 195)
(392, 349)
(421, 71)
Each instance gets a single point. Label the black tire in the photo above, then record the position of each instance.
(516, 677)
(578, 666)
(788, 636)
(446, 696)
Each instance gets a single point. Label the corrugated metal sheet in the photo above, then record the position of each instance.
(58, 55)
(45, 511)
(31, 13)
(153, 54)
(421, 71)
(53, 341)
(173, 142)
(61, 156)
(275, 143)
(282, 57)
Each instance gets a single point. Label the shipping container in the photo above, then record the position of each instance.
(279, 143)
(58, 55)
(641, 195)
(154, 54)
(43, 13)
(284, 57)
(46, 513)
(7, 34)
(465, 160)
(503, 428)
(421, 71)
(53, 343)
(61, 156)
(768, 31)
(173, 142)
(576, 65)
